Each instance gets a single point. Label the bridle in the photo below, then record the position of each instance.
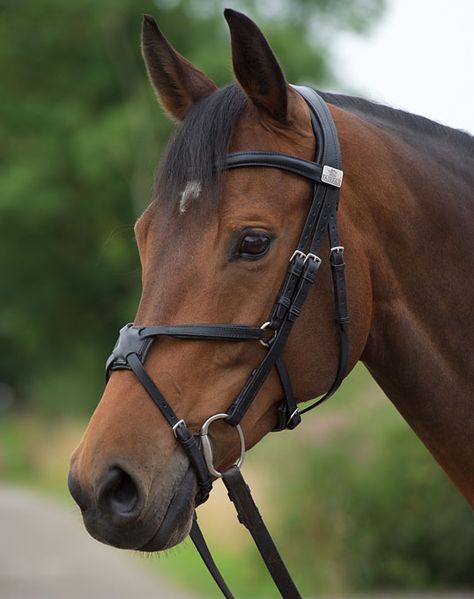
(134, 342)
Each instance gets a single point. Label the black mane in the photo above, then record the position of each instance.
(199, 143)
(401, 122)
(203, 139)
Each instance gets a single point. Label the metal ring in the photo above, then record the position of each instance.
(207, 445)
(264, 327)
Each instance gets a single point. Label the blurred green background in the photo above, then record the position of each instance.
(363, 507)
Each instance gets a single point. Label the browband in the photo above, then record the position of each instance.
(299, 166)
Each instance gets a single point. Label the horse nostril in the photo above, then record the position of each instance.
(118, 493)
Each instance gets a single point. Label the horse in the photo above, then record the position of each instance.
(215, 244)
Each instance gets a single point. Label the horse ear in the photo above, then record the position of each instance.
(256, 67)
(177, 83)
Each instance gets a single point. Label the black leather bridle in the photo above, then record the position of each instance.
(135, 341)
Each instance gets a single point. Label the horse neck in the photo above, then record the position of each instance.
(413, 214)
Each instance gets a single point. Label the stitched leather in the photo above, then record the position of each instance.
(298, 166)
(249, 516)
(229, 332)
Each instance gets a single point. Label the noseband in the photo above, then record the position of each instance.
(134, 342)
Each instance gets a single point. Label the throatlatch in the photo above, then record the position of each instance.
(134, 342)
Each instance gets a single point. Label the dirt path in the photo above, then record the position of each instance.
(45, 553)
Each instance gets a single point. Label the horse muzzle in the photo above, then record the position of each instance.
(120, 511)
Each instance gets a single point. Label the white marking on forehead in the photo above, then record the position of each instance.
(191, 191)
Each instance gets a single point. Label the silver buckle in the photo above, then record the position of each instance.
(312, 257)
(297, 253)
(207, 445)
(174, 427)
(337, 248)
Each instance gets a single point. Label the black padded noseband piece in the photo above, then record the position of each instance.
(130, 341)
(134, 342)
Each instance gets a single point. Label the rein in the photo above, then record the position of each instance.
(134, 342)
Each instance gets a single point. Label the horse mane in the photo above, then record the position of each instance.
(405, 124)
(202, 140)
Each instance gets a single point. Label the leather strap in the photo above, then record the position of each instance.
(298, 166)
(342, 320)
(303, 266)
(229, 332)
(200, 543)
(182, 433)
(288, 415)
(249, 516)
(138, 339)
(258, 376)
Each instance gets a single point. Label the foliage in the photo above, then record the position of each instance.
(36, 454)
(382, 512)
(81, 137)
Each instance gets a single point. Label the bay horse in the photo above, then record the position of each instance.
(214, 246)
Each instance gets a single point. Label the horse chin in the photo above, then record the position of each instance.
(177, 520)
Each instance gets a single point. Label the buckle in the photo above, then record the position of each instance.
(297, 253)
(337, 257)
(175, 426)
(310, 256)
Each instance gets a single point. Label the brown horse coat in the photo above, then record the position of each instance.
(407, 223)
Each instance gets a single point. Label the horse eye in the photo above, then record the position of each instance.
(254, 245)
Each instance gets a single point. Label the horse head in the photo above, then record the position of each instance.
(214, 247)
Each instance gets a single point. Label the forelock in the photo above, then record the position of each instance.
(187, 171)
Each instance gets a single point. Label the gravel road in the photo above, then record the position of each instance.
(45, 553)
